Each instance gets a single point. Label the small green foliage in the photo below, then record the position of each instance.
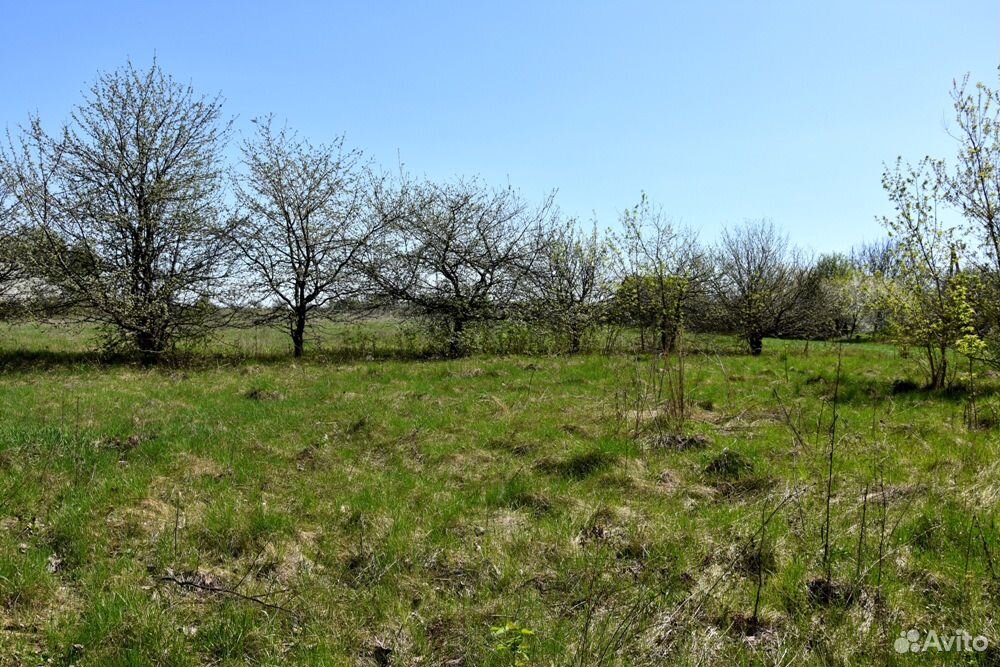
(512, 639)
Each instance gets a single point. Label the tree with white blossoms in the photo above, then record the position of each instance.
(569, 283)
(455, 254)
(125, 210)
(303, 226)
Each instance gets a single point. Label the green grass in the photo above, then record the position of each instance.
(362, 507)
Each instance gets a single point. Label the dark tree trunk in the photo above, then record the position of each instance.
(938, 367)
(298, 334)
(150, 347)
(574, 341)
(455, 339)
(668, 338)
(756, 345)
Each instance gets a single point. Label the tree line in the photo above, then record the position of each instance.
(128, 216)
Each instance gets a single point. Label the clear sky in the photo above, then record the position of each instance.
(721, 111)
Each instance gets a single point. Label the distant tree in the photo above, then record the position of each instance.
(303, 226)
(569, 283)
(761, 285)
(125, 203)
(929, 298)
(661, 269)
(838, 305)
(874, 264)
(454, 253)
(832, 265)
(876, 258)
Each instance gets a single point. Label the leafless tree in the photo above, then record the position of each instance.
(570, 284)
(454, 253)
(876, 258)
(125, 202)
(304, 225)
(761, 285)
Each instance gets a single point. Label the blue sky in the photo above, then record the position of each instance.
(720, 111)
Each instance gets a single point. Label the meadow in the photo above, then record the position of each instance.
(371, 504)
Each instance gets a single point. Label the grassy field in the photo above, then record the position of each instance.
(355, 509)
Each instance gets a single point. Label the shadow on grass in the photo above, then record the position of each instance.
(863, 391)
(26, 361)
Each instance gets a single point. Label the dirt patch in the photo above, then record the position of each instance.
(193, 465)
(258, 394)
(289, 560)
(705, 415)
(122, 444)
(733, 474)
(668, 480)
(729, 465)
(507, 525)
(677, 441)
(149, 518)
(828, 593)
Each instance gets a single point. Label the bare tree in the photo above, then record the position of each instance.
(876, 258)
(661, 269)
(125, 201)
(304, 225)
(455, 253)
(570, 282)
(761, 285)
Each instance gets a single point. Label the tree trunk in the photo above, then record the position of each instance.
(574, 341)
(938, 367)
(298, 334)
(455, 339)
(668, 338)
(150, 347)
(756, 345)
